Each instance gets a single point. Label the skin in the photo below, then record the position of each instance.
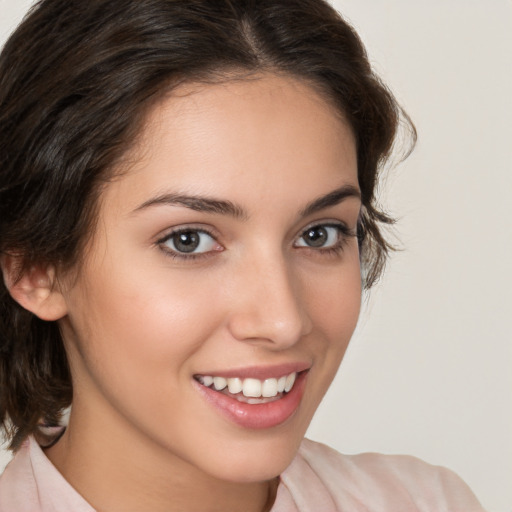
(138, 323)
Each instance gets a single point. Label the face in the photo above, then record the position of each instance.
(224, 268)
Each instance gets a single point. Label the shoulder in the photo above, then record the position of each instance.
(18, 489)
(30, 483)
(378, 482)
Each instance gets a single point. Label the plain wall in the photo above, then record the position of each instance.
(428, 371)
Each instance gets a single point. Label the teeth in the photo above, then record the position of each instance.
(208, 381)
(269, 388)
(281, 384)
(251, 388)
(290, 381)
(219, 383)
(235, 385)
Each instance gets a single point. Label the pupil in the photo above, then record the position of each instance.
(186, 242)
(316, 237)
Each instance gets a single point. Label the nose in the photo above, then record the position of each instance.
(267, 304)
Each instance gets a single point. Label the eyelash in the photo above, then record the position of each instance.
(185, 256)
(344, 235)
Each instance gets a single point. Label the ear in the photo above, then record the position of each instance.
(35, 289)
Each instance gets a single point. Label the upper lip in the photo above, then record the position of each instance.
(260, 372)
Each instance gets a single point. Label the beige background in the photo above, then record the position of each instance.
(429, 370)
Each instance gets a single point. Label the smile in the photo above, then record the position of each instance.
(251, 402)
(250, 390)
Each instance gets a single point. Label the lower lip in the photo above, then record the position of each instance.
(257, 416)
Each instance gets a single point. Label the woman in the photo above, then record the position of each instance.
(187, 220)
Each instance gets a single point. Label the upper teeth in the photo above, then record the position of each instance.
(253, 388)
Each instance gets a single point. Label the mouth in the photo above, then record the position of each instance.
(251, 402)
(250, 390)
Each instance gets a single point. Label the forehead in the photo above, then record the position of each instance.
(241, 135)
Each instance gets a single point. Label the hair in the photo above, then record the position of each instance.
(76, 81)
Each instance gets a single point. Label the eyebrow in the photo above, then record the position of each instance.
(222, 207)
(331, 199)
(198, 204)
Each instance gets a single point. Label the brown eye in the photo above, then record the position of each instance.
(189, 241)
(315, 237)
(319, 237)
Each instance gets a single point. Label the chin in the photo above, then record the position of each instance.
(254, 460)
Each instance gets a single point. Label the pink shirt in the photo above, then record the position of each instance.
(318, 480)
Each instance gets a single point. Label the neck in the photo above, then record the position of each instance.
(142, 476)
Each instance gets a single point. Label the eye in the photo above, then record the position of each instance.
(189, 242)
(321, 237)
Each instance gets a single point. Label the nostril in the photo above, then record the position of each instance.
(266, 329)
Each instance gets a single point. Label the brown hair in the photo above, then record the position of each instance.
(76, 79)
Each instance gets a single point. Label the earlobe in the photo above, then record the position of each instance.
(35, 289)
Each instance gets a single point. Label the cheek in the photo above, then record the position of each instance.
(139, 330)
(334, 300)
(334, 303)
